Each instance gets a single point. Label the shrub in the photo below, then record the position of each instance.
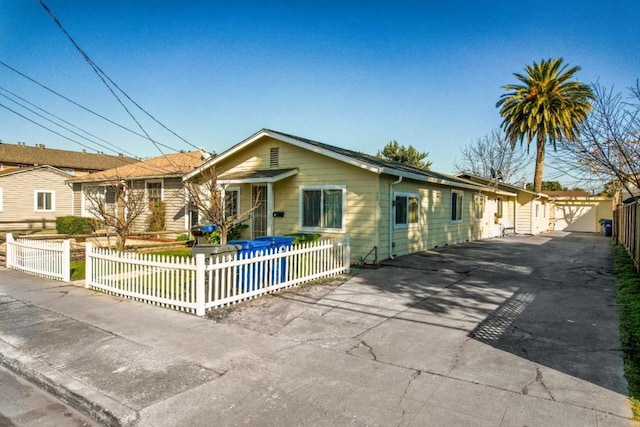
(74, 225)
(234, 233)
(156, 219)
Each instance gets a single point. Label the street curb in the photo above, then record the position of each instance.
(85, 399)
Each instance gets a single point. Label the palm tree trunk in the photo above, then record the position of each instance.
(537, 175)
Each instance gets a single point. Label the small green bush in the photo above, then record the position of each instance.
(74, 225)
(234, 233)
(182, 238)
(156, 219)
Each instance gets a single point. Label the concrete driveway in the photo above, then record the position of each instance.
(515, 331)
(508, 332)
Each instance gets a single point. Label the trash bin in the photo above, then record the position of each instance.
(216, 251)
(279, 244)
(202, 233)
(251, 276)
(607, 226)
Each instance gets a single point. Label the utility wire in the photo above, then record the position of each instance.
(104, 77)
(120, 150)
(152, 168)
(44, 127)
(72, 101)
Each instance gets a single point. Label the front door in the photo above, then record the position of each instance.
(259, 221)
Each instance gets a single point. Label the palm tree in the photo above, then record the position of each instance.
(546, 107)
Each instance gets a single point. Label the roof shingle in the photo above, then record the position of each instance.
(168, 165)
(64, 159)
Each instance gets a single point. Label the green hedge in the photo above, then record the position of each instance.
(74, 225)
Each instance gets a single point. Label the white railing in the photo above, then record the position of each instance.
(46, 258)
(199, 283)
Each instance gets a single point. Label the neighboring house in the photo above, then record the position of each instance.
(579, 211)
(528, 213)
(32, 198)
(73, 162)
(160, 178)
(386, 207)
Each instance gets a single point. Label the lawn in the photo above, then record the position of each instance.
(77, 267)
(628, 291)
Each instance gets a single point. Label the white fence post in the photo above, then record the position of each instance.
(88, 267)
(200, 272)
(10, 249)
(347, 253)
(66, 260)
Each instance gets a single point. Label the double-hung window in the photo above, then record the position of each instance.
(323, 208)
(456, 206)
(406, 209)
(44, 201)
(154, 192)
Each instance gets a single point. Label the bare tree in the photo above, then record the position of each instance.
(208, 197)
(608, 148)
(493, 155)
(117, 204)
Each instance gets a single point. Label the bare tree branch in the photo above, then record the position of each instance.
(608, 147)
(117, 204)
(494, 152)
(208, 198)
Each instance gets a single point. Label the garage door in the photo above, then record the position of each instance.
(576, 218)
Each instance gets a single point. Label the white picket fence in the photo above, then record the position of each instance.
(198, 284)
(46, 258)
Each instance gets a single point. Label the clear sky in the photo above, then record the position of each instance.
(348, 73)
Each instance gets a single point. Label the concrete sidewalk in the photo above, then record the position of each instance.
(511, 332)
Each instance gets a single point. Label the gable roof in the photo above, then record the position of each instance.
(501, 185)
(167, 166)
(39, 155)
(358, 159)
(15, 171)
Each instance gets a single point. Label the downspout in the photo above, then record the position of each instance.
(391, 212)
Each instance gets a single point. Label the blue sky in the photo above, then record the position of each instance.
(352, 74)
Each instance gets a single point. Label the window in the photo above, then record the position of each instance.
(456, 206)
(44, 201)
(478, 206)
(323, 208)
(406, 209)
(231, 203)
(499, 208)
(154, 192)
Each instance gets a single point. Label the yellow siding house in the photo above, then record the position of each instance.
(387, 208)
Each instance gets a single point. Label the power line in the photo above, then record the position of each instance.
(44, 127)
(119, 149)
(71, 101)
(152, 168)
(104, 77)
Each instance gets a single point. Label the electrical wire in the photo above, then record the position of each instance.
(140, 163)
(106, 80)
(120, 150)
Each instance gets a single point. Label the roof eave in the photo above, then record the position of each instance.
(432, 180)
(296, 142)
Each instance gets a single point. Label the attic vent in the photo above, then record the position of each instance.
(274, 157)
